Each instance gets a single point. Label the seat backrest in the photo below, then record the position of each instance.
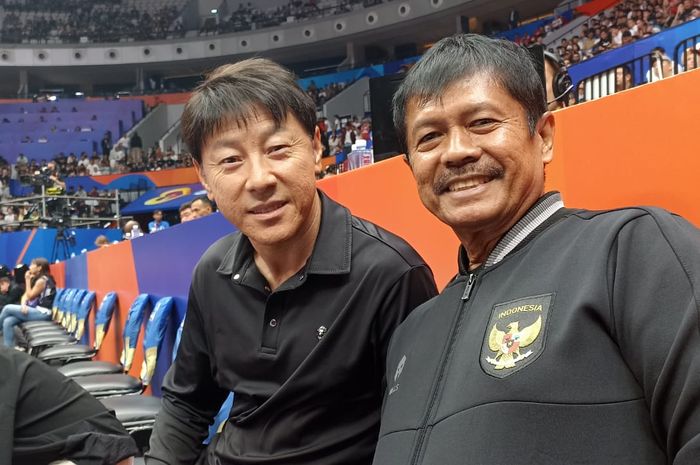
(83, 311)
(62, 306)
(132, 328)
(56, 301)
(73, 307)
(155, 332)
(103, 317)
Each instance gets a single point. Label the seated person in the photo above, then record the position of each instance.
(36, 302)
(47, 417)
(9, 293)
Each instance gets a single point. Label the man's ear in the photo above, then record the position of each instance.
(545, 131)
(200, 174)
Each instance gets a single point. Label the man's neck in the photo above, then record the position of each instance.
(278, 262)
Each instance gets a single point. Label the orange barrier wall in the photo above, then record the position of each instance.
(637, 147)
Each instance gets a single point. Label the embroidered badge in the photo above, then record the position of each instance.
(515, 335)
(320, 332)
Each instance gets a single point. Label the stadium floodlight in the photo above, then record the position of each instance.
(214, 11)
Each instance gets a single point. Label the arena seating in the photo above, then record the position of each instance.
(43, 130)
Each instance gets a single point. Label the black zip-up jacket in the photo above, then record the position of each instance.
(581, 346)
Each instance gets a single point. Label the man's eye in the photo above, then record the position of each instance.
(230, 160)
(277, 149)
(482, 122)
(428, 137)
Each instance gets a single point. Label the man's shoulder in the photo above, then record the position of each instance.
(212, 258)
(639, 215)
(384, 244)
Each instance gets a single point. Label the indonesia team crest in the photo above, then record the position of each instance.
(515, 334)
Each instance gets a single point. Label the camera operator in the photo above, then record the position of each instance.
(53, 182)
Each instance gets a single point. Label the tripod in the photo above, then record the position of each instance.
(62, 245)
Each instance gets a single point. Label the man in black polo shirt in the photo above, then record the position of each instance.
(294, 313)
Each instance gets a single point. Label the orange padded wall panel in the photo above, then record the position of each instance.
(112, 269)
(638, 147)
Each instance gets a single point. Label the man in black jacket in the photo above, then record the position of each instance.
(46, 417)
(293, 314)
(568, 336)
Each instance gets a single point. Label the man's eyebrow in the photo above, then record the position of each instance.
(435, 119)
(234, 141)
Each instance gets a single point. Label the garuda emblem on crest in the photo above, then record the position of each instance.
(508, 345)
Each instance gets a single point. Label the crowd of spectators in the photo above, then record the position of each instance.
(321, 95)
(623, 24)
(247, 17)
(344, 132)
(84, 20)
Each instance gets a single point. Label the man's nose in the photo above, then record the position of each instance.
(260, 175)
(461, 148)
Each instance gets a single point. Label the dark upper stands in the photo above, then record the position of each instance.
(72, 21)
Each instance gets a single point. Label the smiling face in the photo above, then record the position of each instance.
(262, 178)
(477, 166)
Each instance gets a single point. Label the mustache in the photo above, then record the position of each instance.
(488, 170)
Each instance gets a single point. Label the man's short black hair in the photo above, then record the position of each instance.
(463, 56)
(185, 206)
(234, 93)
(205, 200)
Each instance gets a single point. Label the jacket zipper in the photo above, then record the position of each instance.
(471, 281)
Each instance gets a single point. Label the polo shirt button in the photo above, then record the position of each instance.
(236, 276)
(267, 288)
(273, 322)
(301, 277)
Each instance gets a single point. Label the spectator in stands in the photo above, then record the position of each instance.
(117, 156)
(186, 212)
(691, 57)
(101, 241)
(22, 159)
(661, 65)
(36, 302)
(136, 150)
(132, 230)
(158, 224)
(299, 260)
(93, 167)
(201, 207)
(106, 144)
(323, 130)
(48, 418)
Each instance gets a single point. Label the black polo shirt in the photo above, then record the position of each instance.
(305, 362)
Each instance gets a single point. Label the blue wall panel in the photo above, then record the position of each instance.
(164, 262)
(11, 244)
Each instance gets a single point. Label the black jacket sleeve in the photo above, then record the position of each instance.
(413, 288)
(191, 397)
(45, 416)
(654, 283)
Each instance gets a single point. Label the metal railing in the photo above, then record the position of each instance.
(61, 211)
(644, 69)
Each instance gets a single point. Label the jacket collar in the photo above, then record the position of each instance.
(331, 253)
(539, 214)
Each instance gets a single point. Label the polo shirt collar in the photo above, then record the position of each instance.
(332, 252)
